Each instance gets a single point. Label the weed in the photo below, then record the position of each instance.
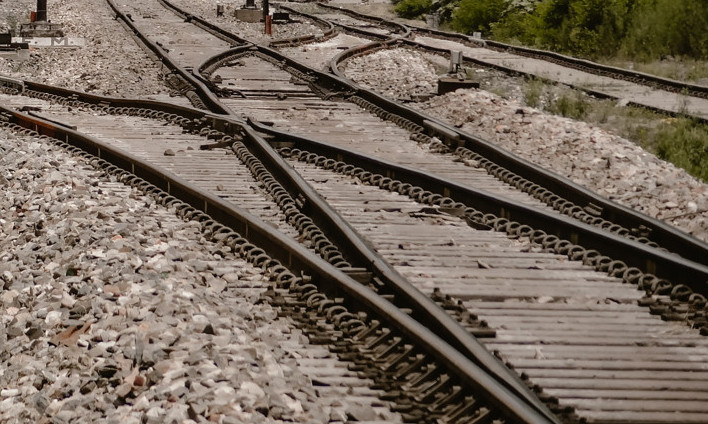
(500, 90)
(571, 105)
(533, 89)
(683, 102)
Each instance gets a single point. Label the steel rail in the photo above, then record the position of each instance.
(595, 93)
(668, 84)
(204, 24)
(349, 242)
(509, 71)
(294, 64)
(427, 310)
(204, 94)
(401, 30)
(501, 375)
(329, 31)
(362, 255)
(404, 29)
(297, 259)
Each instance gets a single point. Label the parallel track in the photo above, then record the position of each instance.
(665, 95)
(380, 215)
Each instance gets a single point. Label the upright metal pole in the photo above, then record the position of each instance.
(42, 10)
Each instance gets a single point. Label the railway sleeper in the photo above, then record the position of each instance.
(415, 387)
(428, 391)
(664, 298)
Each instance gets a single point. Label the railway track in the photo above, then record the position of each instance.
(427, 251)
(104, 132)
(382, 214)
(633, 88)
(564, 196)
(283, 98)
(547, 312)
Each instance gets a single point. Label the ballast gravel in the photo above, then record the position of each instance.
(113, 310)
(111, 63)
(400, 74)
(586, 154)
(251, 31)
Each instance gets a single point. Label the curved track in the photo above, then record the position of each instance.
(633, 88)
(443, 246)
(376, 338)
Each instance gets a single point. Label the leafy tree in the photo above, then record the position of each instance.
(666, 27)
(586, 27)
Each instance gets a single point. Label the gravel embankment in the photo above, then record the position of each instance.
(588, 155)
(114, 310)
(111, 63)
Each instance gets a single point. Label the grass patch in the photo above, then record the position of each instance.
(680, 69)
(685, 144)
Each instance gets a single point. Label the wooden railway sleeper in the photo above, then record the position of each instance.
(383, 371)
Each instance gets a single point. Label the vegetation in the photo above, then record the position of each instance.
(478, 15)
(533, 89)
(634, 29)
(681, 141)
(651, 35)
(411, 9)
(685, 144)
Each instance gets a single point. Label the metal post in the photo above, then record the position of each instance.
(42, 10)
(266, 10)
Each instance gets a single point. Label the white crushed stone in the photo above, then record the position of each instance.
(398, 73)
(251, 31)
(113, 310)
(111, 63)
(586, 154)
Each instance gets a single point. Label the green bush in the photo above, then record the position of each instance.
(635, 29)
(478, 15)
(411, 9)
(584, 27)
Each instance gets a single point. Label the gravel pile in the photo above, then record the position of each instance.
(110, 64)
(397, 73)
(319, 55)
(253, 32)
(588, 155)
(113, 310)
